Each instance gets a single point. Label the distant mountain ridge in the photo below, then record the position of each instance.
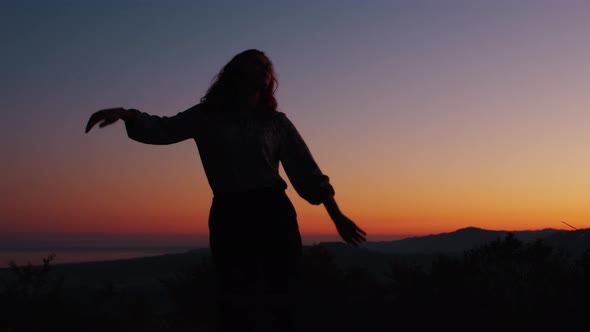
(471, 237)
(375, 256)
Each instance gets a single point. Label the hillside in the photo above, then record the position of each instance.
(455, 242)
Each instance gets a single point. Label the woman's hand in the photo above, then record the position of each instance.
(348, 230)
(106, 117)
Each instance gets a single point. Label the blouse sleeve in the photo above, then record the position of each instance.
(303, 172)
(161, 130)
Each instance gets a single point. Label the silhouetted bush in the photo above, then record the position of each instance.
(34, 299)
(31, 298)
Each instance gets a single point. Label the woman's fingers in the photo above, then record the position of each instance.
(107, 116)
(94, 119)
(361, 231)
(356, 235)
(349, 231)
(351, 235)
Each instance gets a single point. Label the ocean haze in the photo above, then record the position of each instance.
(36, 257)
(75, 248)
(99, 241)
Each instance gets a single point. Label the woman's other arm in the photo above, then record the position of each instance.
(311, 184)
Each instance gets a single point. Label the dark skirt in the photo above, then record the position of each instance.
(256, 248)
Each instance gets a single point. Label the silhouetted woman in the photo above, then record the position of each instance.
(241, 137)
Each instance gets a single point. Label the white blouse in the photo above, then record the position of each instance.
(238, 153)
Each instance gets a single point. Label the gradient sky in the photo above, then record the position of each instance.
(428, 116)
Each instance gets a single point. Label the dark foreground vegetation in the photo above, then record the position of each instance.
(503, 285)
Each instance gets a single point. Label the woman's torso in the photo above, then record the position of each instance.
(239, 153)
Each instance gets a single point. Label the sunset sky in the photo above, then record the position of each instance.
(428, 116)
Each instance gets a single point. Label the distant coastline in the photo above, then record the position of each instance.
(80, 255)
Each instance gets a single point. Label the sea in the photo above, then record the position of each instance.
(64, 256)
(32, 248)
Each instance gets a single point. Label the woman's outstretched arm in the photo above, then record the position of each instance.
(146, 128)
(348, 230)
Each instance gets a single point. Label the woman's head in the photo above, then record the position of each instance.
(247, 79)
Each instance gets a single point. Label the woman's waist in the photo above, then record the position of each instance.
(260, 205)
(233, 185)
(249, 193)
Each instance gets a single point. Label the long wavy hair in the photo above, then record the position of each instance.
(223, 93)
